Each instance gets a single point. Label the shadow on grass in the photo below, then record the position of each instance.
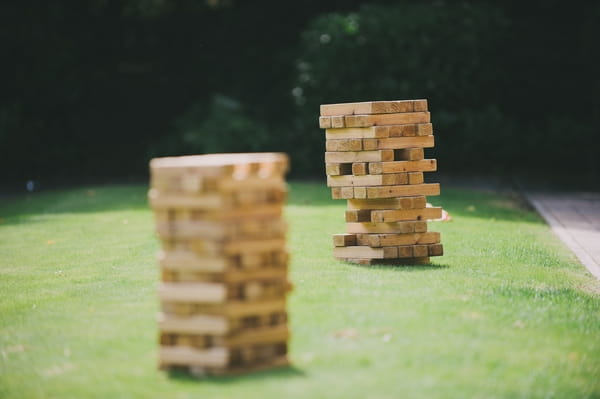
(404, 268)
(277, 372)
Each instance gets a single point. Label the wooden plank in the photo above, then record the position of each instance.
(415, 178)
(386, 119)
(185, 356)
(424, 129)
(254, 246)
(344, 145)
(253, 182)
(342, 192)
(365, 252)
(398, 227)
(392, 215)
(403, 190)
(367, 180)
(161, 200)
(409, 154)
(420, 251)
(372, 132)
(192, 292)
(360, 192)
(359, 168)
(359, 156)
(371, 107)
(420, 105)
(424, 165)
(272, 270)
(436, 250)
(358, 215)
(418, 201)
(253, 308)
(393, 143)
(337, 121)
(197, 324)
(344, 240)
(337, 169)
(389, 240)
(188, 261)
(324, 122)
(405, 251)
(257, 336)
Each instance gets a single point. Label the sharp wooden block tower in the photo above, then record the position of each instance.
(374, 159)
(223, 261)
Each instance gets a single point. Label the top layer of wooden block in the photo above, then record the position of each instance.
(263, 164)
(374, 107)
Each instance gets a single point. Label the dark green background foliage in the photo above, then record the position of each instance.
(93, 89)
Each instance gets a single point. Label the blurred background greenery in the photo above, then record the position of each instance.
(93, 89)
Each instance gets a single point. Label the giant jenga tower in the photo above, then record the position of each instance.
(374, 159)
(223, 261)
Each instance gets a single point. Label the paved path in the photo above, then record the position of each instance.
(575, 218)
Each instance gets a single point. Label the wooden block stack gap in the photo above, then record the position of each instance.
(223, 261)
(375, 160)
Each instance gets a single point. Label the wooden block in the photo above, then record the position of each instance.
(342, 192)
(188, 261)
(424, 129)
(386, 119)
(388, 240)
(403, 190)
(414, 202)
(324, 122)
(372, 132)
(409, 154)
(367, 180)
(159, 200)
(391, 215)
(420, 251)
(359, 168)
(370, 107)
(398, 227)
(337, 122)
(420, 105)
(192, 292)
(424, 165)
(408, 130)
(344, 145)
(358, 215)
(436, 250)
(265, 335)
(183, 355)
(252, 246)
(415, 178)
(360, 192)
(196, 324)
(393, 143)
(420, 226)
(419, 202)
(404, 251)
(365, 252)
(344, 240)
(338, 169)
(359, 156)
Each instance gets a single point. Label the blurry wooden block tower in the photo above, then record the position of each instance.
(223, 261)
(374, 159)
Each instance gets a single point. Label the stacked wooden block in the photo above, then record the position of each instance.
(375, 160)
(223, 261)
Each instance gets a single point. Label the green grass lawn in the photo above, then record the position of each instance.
(507, 312)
